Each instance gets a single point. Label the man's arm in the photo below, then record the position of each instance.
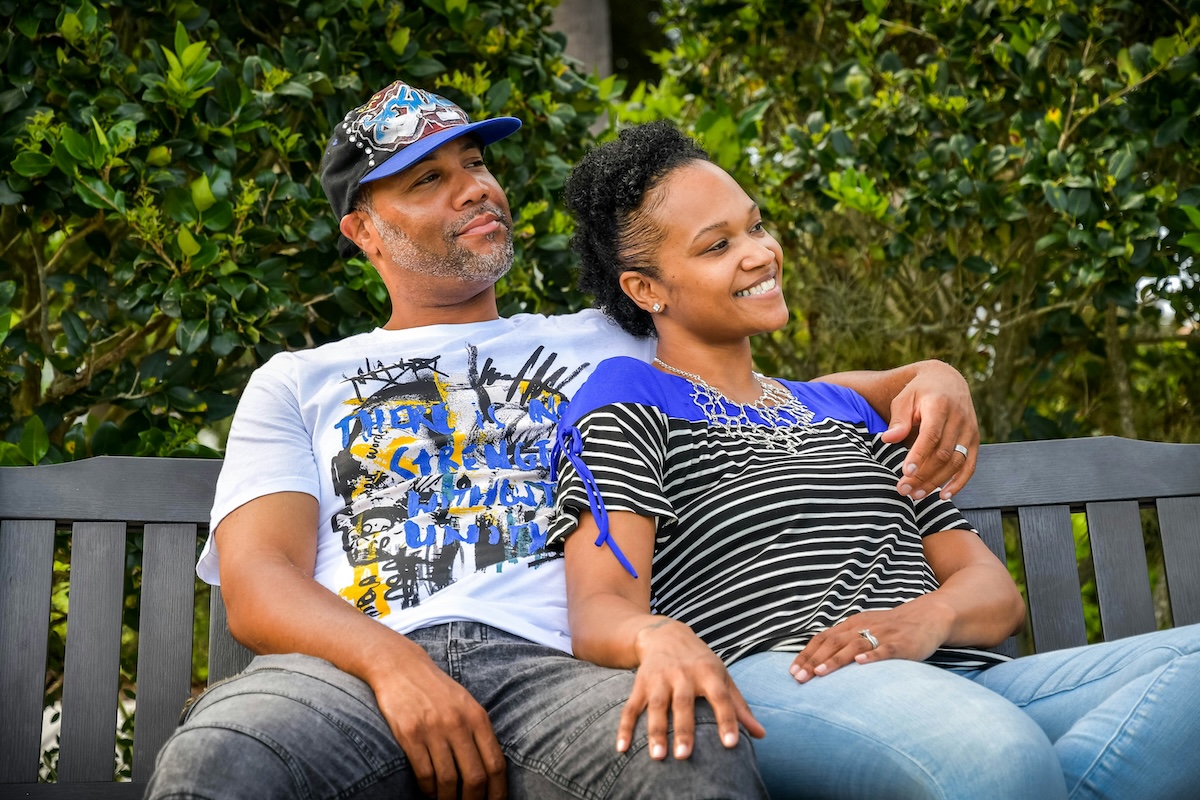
(932, 399)
(268, 551)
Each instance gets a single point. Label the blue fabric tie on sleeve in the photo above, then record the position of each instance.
(570, 442)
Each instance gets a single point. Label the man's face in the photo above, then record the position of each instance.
(445, 216)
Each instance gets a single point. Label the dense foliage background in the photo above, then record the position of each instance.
(162, 229)
(1010, 185)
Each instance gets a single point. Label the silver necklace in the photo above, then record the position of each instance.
(783, 417)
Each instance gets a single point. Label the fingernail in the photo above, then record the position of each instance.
(947, 495)
(821, 669)
(730, 739)
(658, 752)
(681, 751)
(801, 676)
(861, 658)
(920, 493)
(622, 745)
(794, 669)
(910, 469)
(905, 489)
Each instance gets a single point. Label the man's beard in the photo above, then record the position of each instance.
(455, 261)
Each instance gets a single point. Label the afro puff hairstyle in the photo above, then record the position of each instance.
(615, 230)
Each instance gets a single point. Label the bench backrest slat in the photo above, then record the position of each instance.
(26, 567)
(164, 666)
(225, 656)
(1052, 577)
(1122, 577)
(91, 667)
(1179, 518)
(989, 523)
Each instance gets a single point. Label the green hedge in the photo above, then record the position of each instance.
(162, 230)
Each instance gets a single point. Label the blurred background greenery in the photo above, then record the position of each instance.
(1012, 186)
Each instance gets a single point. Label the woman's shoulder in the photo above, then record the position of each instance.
(831, 401)
(621, 379)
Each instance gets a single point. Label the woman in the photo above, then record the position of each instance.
(765, 562)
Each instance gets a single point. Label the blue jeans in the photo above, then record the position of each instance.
(296, 726)
(1113, 720)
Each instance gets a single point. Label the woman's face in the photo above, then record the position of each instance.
(719, 271)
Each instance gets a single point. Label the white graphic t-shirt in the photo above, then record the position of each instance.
(428, 450)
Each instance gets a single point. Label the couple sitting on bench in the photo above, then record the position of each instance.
(737, 556)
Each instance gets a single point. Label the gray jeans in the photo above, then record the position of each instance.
(296, 726)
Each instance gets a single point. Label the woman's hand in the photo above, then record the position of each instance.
(676, 667)
(913, 631)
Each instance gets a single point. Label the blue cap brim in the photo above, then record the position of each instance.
(486, 131)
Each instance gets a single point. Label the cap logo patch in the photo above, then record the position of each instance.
(400, 115)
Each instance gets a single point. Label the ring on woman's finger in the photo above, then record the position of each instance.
(866, 634)
(961, 448)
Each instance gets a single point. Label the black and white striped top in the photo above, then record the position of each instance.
(757, 548)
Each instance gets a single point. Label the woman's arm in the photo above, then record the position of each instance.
(932, 398)
(611, 625)
(977, 604)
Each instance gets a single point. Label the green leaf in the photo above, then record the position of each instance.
(202, 196)
(1049, 240)
(98, 194)
(1164, 49)
(32, 164)
(187, 242)
(77, 145)
(191, 334)
(875, 7)
(1056, 198)
(1127, 69)
(398, 41)
(76, 331)
(1121, 164)
(11, 456)
(1191, 242)
(1079, 202)
(34, 441)
(1193, 214)
(181, 38)
(1172, 130)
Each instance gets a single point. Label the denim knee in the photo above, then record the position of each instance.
(290, 726)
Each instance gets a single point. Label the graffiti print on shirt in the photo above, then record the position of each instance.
(443, 474)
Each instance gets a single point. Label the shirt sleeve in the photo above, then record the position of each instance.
(613, 460)
(269, 450)
(933, 513)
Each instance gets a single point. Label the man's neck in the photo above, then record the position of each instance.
(417, 312)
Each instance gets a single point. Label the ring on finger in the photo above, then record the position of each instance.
(866, 634)
(961, 448)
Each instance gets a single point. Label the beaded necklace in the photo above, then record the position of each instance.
(783, 415)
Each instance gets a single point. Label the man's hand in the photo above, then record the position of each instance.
(936, 403)
(445, 733)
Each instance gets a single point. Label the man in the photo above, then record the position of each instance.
(401, 477)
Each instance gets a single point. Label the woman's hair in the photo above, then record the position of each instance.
(615, 230)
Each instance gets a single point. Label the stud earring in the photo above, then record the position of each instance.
(654, 309)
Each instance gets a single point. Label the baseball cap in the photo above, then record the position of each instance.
(397, 127)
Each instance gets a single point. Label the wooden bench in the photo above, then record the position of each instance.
(99, 501)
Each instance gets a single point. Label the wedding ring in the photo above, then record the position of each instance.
(961, 448)
(866, 634)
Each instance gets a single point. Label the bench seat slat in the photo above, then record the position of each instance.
(26, 568)
(164, 663)
(1178, 518)
(91, 668)
(1052, 577)
(1122, 577)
